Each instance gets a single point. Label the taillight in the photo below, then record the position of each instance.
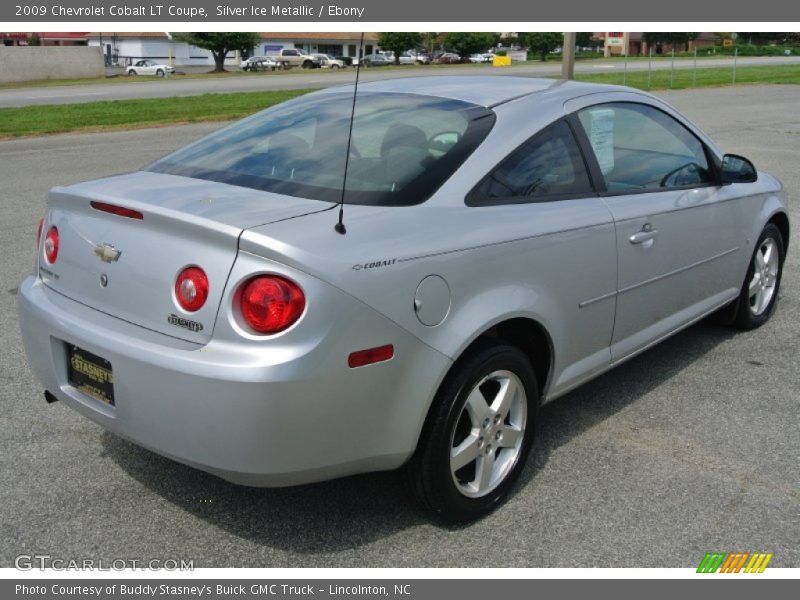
(51, 245)
(39, 232)
(191, 288)
(270, 304)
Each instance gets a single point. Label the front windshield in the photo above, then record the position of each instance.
(404, 147)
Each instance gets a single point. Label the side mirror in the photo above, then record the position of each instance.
(737, 169)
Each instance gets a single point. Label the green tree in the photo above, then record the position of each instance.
(466, 43)
(220, 44)
(541, 42)
(398, 42)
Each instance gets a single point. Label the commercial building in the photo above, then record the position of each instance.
(127, 47)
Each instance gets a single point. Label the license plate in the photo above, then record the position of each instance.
(90, 374)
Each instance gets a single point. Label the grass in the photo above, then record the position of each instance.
(706, 77)
(152, 112)
(129, 114)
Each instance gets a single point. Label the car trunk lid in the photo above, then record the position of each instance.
(126, 267)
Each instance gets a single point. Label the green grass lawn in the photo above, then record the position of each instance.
(688, 78)
(151, 112)
(129, 114)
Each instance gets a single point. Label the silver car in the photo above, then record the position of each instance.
(502, 241)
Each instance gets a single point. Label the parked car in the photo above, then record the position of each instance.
(206, 308)
(412, 57)
(259, 63)
(294, 57)
(149, 67)
(374, 60)
(481, 58)
(328, 62)
(448, 58)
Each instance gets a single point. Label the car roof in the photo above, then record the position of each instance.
(483, 90)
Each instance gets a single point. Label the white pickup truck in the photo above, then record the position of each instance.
(294, 57)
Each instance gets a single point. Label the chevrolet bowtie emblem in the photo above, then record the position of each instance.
(107, 253)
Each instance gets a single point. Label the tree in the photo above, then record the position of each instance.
(466, 43)
(398, 42)
(220, 44)
(542, 42)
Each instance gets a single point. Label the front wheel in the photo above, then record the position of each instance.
(759, 292)
(477, 435)
(160, 73)
(132, 73)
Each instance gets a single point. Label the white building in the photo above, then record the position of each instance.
(124, 48)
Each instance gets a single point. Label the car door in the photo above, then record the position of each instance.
(566, 257)
(677, 239)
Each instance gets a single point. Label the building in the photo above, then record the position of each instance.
(43, 39)
(124, 48)
(620, 43)
(333, 43)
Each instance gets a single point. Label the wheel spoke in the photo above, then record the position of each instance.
(464, 453)
(483, 477)
(510, 437)
(768, 253)
(505, 396)
(760, 260)
(476, 407)
(754, 286)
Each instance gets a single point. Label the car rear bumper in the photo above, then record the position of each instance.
(222, 409)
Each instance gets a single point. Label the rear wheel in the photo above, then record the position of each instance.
(759, 292)
(477, 435)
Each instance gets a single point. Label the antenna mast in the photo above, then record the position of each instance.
(339, 227)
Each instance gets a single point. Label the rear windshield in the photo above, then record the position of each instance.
(404, 147)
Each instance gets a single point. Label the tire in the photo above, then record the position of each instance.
(334, 67)
(468, 413)
(132, 73)
(761, 286)
(307, 64)
(160, 73)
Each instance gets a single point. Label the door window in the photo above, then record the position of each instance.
(639, 147)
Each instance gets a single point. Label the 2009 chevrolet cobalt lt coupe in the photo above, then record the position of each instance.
(507, 239)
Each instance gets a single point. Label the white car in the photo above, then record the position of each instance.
(328, 62)
(481, 58)
(259, 63)
(412, 57)
(149, 67)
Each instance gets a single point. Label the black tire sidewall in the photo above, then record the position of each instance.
(440, 487)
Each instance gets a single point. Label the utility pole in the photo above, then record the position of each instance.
(568, 57)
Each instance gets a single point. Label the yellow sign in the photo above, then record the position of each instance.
(727, 43)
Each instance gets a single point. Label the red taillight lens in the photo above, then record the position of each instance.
(117, 210)
(39, 232)
(191, 288)
(270, 304)
(370, 356)
(51, 245)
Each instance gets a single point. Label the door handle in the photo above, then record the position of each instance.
(645, 235)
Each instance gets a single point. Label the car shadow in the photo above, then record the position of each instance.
(354, 511)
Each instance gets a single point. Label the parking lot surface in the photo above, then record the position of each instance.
(689, 448)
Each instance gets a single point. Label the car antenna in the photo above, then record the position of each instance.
(339, 227)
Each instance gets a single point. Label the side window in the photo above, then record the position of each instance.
(638, 147)
(549, 166)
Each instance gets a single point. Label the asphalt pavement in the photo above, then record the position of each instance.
(152, 87)
(689, 448)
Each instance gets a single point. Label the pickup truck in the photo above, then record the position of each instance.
(294, 57)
